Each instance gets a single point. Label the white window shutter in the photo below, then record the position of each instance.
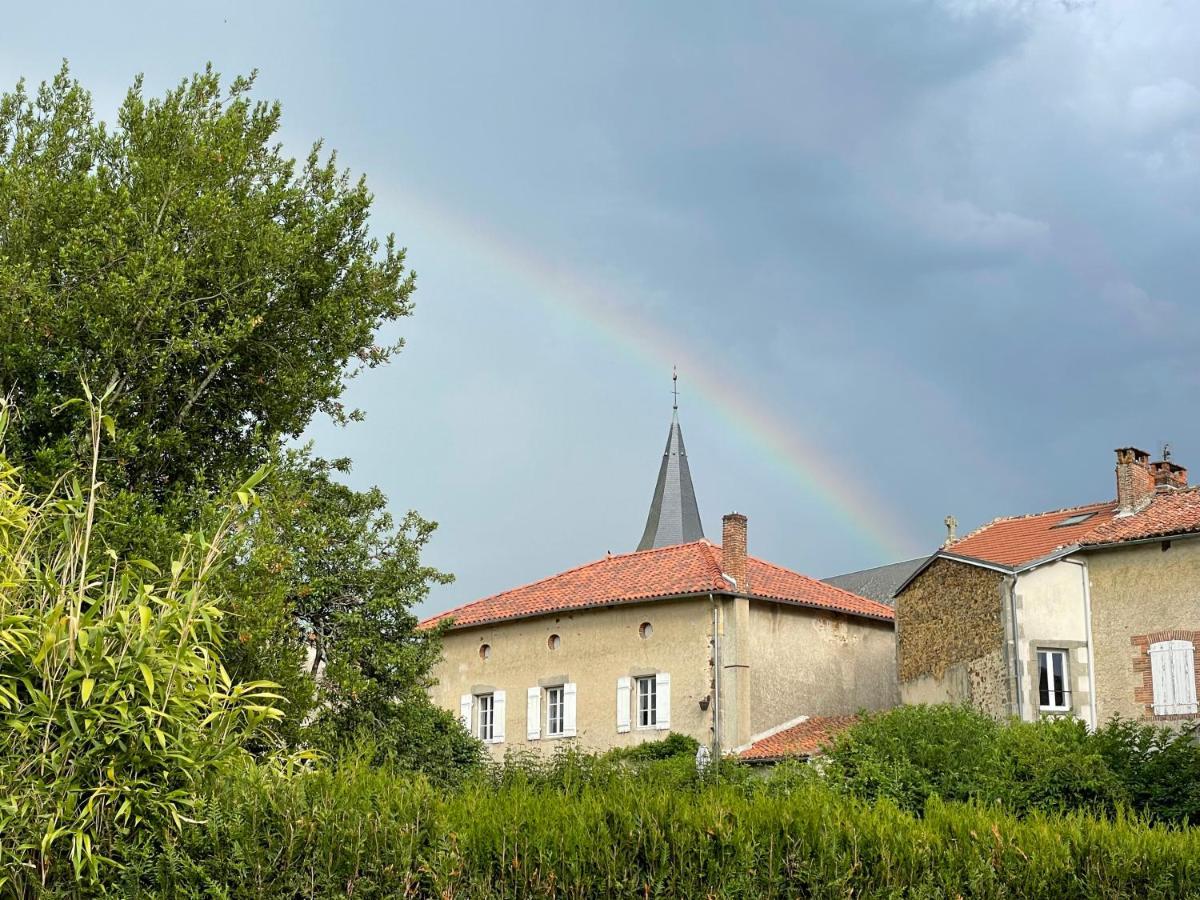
(1160, 674)
(1184, 675)
(569, 709)
(662, 700)
(464, 710)
(498, 713)
(533, 712)
(623, 704)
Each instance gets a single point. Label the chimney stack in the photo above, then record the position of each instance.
(1135, 481)
(733, 550)
(1168, 476)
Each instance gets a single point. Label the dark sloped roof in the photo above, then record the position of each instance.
(879, 583)
(674, 516)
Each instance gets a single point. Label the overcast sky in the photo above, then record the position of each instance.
(912, 258)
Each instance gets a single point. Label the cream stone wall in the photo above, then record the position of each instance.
(1051, 616)
(598, 646)
(1138, 590)
(811, 662)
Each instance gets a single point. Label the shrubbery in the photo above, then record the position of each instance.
(913, 753)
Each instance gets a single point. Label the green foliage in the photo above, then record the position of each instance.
(911, 754)
(673, 745)
(182, 254)
(114, 706)
(367, 831)
(1159, 767)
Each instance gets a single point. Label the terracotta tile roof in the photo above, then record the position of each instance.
(679, 570)
(804, 739)
(1018, 540)
(1177, 512)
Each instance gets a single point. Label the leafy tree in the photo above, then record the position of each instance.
(183, 254)
(228, 292)
(351, 576)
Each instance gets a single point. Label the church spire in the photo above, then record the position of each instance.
(674, 516)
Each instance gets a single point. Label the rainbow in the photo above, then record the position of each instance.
(647, 345)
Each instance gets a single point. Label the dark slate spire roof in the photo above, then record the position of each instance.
(674, 517)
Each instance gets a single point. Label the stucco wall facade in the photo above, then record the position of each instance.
(597, 647)
(1050, 614)
(1139, 594)
(951, 638)
(816, 663)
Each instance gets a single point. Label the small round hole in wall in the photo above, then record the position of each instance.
(645, 630)
(554, 642)
(485, 651)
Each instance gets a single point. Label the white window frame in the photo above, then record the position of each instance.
(485, 717)
(556, 711)
(1050, 655)
(1173, 674)
(645, 698)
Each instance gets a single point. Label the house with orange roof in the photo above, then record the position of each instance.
(1091, 611)
(679, 635)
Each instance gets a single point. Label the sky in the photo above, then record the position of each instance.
(911, 258)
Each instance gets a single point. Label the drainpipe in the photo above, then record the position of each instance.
(1087, 618)
(1016, 644)
(716, 660)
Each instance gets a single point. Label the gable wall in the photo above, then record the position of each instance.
(950, 636)
(817, 663)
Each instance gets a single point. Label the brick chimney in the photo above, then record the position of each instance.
(733, 550)
(1168, 476)
(1135, 481)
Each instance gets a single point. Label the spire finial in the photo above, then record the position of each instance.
(675, 389)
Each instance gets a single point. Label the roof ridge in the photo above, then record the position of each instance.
(579, 568)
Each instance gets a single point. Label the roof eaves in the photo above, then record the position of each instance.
(1129, 542)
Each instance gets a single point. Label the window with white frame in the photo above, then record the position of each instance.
(1173, 670)
(647, 702)
(485, 717)
(555, 709)
(1053, 693)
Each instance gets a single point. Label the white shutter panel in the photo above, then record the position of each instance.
(1184, 676)
(622, 705)
(1160, 674)
(569, 709)
(464, 710)
(662, 688)
(498, 713)
(533, 712)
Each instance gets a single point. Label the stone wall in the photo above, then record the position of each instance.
(950, 634)
(1140, 593)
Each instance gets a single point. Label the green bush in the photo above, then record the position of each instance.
(910, 754)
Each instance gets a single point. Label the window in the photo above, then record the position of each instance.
(554, 642)
(1173, 670)
(485, 721)
(554, 711)
(1073, 520)
(647, 702)
(1053, 693)
(645, 630)
(485, 651)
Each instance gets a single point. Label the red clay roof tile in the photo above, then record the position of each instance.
(679, 570)
(805, 739)
(1019, 540)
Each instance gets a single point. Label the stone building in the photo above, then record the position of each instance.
(1091, 611)
(680, 635)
